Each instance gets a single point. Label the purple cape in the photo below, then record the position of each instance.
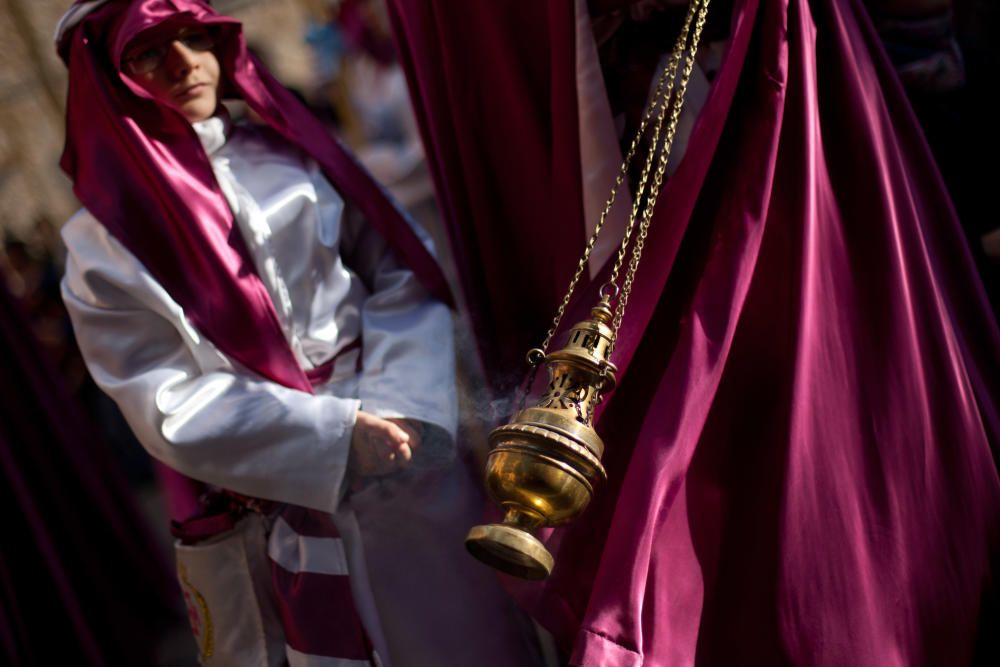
(799, 449)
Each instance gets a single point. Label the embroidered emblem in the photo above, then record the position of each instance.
(198, 614)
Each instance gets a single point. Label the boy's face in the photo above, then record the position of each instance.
(177, 67)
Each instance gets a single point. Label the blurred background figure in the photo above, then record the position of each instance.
(361, 81)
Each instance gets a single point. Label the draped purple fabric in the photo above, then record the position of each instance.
(140, 169)
(76, 559)
(799, 449)
(496, 102)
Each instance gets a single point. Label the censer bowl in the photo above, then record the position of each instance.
(544, 462)
(539, 477)
(537, 485)
(533, 490)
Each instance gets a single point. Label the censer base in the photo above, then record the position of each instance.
(510, 550)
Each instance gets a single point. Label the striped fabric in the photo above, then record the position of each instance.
(310, 579)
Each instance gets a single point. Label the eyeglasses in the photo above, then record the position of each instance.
(150, 57)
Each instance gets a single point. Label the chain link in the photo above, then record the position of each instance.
(670, 71)
(659, 99)
(647, 214)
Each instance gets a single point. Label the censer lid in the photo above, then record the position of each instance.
(589, 343)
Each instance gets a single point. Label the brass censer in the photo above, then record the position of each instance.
(544, 465)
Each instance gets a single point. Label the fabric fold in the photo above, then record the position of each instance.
(799, 447)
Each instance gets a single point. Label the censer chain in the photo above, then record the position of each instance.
(647, 213)
(664, 97)
(663, 88)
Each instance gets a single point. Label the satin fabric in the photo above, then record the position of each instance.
(504, 158)
(197, 409)
(421, 599)
(128, 155)
(799, 448)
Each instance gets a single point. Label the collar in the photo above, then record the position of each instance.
(213, 132)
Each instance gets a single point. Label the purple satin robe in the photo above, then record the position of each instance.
(799, 448)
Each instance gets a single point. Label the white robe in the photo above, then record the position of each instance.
(421, 598)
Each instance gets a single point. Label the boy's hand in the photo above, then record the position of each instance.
(413, 428)
(381, 446)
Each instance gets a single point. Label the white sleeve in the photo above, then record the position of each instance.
(191, 406)
(407, 335)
